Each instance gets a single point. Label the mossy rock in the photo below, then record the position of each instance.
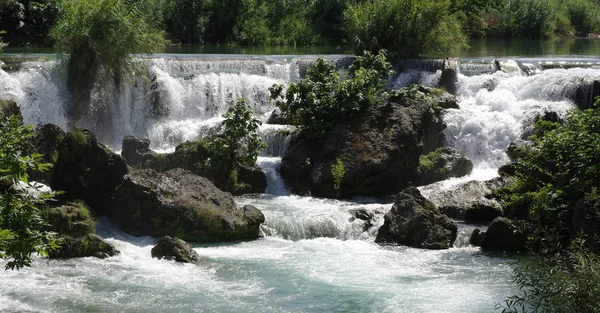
(173, 248)
(442, 164)
(9, 108)
(86, 246)
(72, 219)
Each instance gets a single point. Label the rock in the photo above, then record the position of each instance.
(72, 219)
(9, 108)
(87, 170)
(449, 77)
(88, 245)
(192, 156)
(136, 152)
(585, 94)
(471, 201)
(501, 235)
(380, 151)
(442, 164)
(179, 203)
(172, 248)
(414, 221)
(277, 118)
(46, 140)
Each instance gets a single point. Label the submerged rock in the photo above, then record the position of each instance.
(173, 248)
(182, 204)
(442, 164)
(501, 235)
(86, 169)
(380, 151)
(88, 245)
(471, 201)
(415, 222)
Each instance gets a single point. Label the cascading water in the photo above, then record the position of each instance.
(316, 255)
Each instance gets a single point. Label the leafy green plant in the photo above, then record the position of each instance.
(324, 97)
(21, 224)
(407, 28)
(338, 170)
(100, 37)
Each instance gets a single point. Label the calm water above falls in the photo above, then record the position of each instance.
(313, 257)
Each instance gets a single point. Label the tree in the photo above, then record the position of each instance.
(22, 228)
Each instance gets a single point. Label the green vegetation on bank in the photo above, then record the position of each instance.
(22, 228)
(409, 28)
(556, 200)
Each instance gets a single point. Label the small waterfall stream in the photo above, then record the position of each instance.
(315, 256)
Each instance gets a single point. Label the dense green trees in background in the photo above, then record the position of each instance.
(430, 26)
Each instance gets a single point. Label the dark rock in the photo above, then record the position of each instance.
(9, 108)
(507, 169)
(442, 164)
(449, 77)
(364, 215)
(380, 151)
(46, 140)
(471, 201)
(136, 152)
(72, 219)
(277, 118)
(172, 248)
(586, 93)
(87, 170)
(501, 235)
(193, 156)
(179, 203)
(88, 245)
(529, 130)
(414, 221)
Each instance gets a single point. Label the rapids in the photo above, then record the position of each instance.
(313, 255)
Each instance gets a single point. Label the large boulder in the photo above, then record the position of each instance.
(471, 201)
(76, 227)
(46, 140)
(172, 248)
(86, 169)
(501, 235)
(380, 151)
(442, 164)
(194, 156)
(415, 222)
(182, 204)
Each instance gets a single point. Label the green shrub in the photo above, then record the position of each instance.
(584, 15)
(21, 224)
(530, 18)
(338, 170)
(407, 28)
(103, 36)
(323, 97)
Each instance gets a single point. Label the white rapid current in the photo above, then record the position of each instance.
(314, 256)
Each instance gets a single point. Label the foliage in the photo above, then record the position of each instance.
(21, 225)
(564, 283)
(323, 97)
(530, 18)
(584, 15)
(186, 20)
(408, 28)
(28, 22)
(103, 35)
(338, 170)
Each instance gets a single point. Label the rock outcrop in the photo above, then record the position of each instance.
(442, 164)
(471, 201)
(415, 222)
(501, 235)
(172, 248)
(182, 204)
(46, 140)
(9, 108)
(88, 245)
(380, 151)
(86, 169)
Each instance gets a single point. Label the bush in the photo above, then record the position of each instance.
(21, 224)
(407, 28)
(338, 170)
(323, 98)
(102, 36)
(584, 15)
(530, 18)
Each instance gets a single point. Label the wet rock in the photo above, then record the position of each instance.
(72, 219)
(88, 245)
(277, 118)
(179, 203)
(471, 201)
(46, 140)
(449, 77)
(136, 152)
(442, 164)
(86, 169)
(380, 151)
(9, 108)
(172, 248)
(501, 235)
(414, 221)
